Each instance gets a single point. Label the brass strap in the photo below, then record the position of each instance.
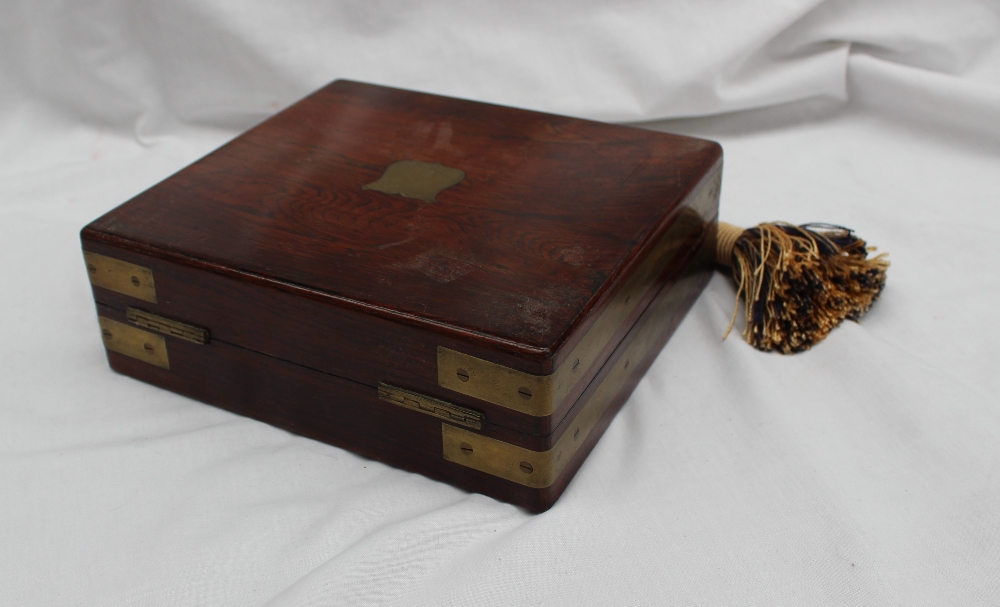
(120, 276)
(136, 343)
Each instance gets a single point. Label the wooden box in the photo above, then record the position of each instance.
(463, 290)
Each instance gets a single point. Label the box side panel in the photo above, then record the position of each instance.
(312, 404)
(309, 330)
(300, 327)
(351, 415)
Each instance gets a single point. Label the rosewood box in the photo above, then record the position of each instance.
(463, 290)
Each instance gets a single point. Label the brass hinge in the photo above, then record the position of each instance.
(166, 326)
(431, 406)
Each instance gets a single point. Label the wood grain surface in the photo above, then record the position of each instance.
(350, 415)
(519, 254)
(306, 329)
(315, 288)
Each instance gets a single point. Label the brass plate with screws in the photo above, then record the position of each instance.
(500, 385)
(538, 469)
(148, 320)
(431, 406)
(130, 341)
(541, 395)
(535, 469)
(120, 276)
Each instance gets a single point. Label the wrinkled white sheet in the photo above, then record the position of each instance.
(866, 471)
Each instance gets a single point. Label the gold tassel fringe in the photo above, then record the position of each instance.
(799, 282)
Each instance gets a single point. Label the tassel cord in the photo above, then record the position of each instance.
(798, 282)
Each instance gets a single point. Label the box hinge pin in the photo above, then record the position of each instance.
(431, 406)
(148, 320)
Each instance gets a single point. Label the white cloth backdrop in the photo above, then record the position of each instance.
(866, 471)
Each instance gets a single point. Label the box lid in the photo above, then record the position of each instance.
(472, 220)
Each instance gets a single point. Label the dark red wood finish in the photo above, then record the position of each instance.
(516, 257)
(315, 290)
(349, 414)
(306, 329)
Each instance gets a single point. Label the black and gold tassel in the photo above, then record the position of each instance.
(798, 282)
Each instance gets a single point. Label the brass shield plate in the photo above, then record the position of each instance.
(416, 179)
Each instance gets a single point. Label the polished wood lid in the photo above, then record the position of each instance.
(542, 213)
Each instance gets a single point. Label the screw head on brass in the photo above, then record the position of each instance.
(148, 348)
(135, 281)
(576, 434)
(462, 374)
(106, 333)
(524, 393)
(466, 448)
(576, 364)
(626, 364)
(92, 268)
(527, 468)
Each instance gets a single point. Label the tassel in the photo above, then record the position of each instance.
(798, 282)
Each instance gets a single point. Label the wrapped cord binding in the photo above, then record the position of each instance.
(798, 282)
